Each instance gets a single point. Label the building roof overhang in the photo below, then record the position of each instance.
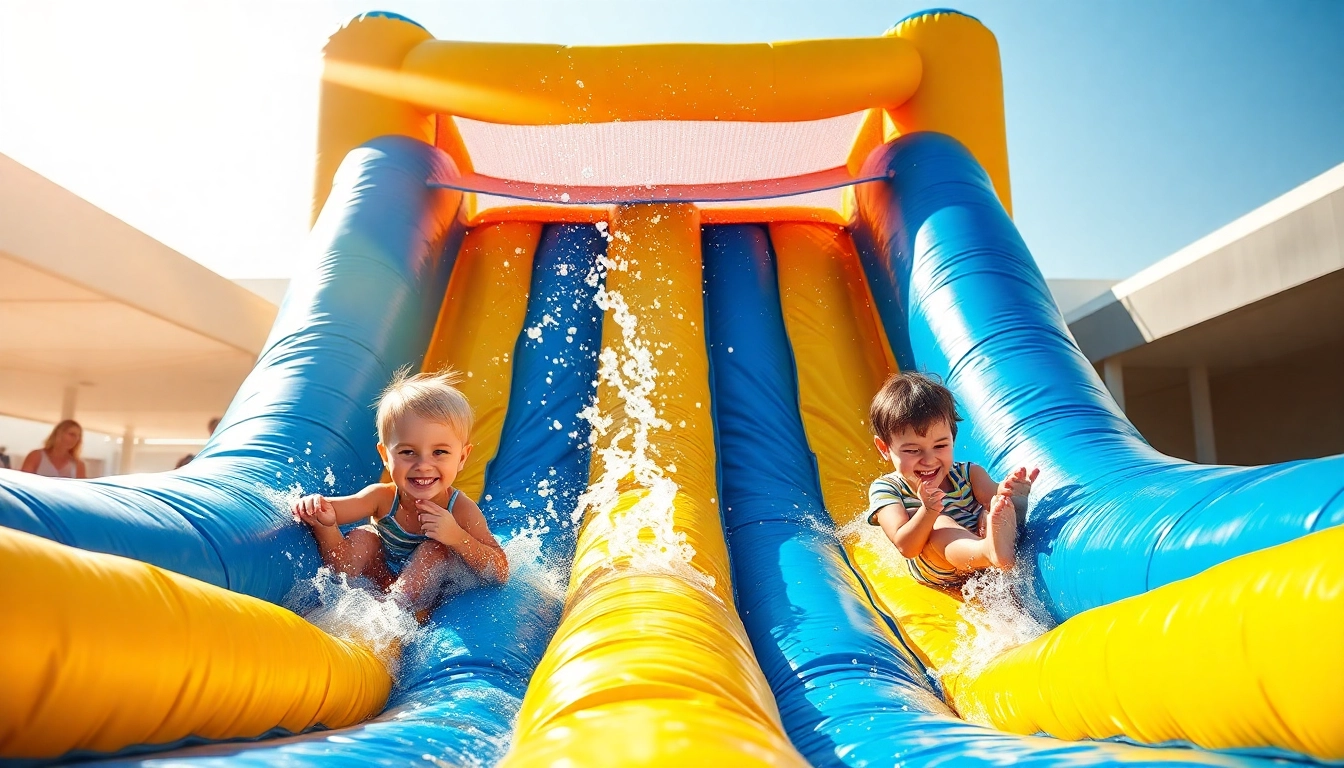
(1266, 285)
(142, 336)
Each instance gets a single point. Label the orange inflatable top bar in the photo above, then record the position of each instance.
(535, 84)
(385, 75)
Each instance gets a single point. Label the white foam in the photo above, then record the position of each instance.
(354, 610)
(527, 564)
(1001, 612)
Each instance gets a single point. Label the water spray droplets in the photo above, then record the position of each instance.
(642, 535)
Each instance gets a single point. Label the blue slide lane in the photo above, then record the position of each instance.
(364, 305)
(960, 295)
(848, 693)
(462, 680)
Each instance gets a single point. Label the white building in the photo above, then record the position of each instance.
(1231, 350)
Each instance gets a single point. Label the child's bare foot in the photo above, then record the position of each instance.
(1001, 531)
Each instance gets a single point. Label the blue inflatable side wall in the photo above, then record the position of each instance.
(849, 695)
(1111, 517)
(363, 306)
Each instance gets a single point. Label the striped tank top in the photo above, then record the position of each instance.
(958, 504)
(398, 543)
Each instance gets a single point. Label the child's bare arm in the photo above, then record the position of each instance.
(466, 532)
(910, 533)
(350, 555)
(319, 511)
(983, 486)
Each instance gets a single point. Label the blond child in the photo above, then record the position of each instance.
(419, 522)
(947, 518)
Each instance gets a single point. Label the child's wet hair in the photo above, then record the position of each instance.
(912, 400)
(431, 396)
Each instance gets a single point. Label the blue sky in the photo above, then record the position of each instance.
(1134, 128)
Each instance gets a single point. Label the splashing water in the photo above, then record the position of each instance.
(999, 610)
(548, 575)
(356, 611)
(643, 535)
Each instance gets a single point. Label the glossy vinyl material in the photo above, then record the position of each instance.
(199, 660)
(463, 676)
(491, 280)
(546, 84)
(383, 74)
(1211, 660)
(849, 693)
(1111, 517)
(1173, 641)
(651, 665)
(961, 92)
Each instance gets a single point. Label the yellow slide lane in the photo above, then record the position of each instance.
(651, 665)
(1216, 660)
(482, 315)
(102, 652)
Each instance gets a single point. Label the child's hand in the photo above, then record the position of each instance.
(438, 523)
(1018, 484)
(315, 510)
(932, 497)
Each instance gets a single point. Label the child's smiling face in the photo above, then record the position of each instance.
(920, 458)
(424, 457)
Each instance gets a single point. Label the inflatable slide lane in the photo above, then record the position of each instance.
(673, 276)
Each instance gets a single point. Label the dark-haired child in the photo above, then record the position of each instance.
(948, 519)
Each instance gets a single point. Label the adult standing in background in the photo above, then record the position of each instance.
(59, 457)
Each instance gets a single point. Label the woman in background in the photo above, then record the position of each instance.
(59, 457)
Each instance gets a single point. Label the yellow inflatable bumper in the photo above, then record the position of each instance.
(102, 652)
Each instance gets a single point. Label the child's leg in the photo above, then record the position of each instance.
(421, 581)
(954, 547)
(377, 570)
(351, 554)
(1001, 531)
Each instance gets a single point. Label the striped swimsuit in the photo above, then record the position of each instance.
(398, 543)
(958, 504)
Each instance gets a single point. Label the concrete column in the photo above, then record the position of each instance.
(1201, 407)
(68, 400)
(127, 464)
(1114, 375)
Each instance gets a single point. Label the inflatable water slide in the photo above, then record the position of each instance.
(673, 276)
